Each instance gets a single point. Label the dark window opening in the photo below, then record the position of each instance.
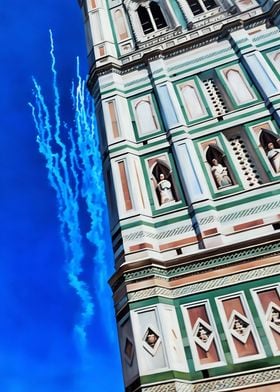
(145, 20)
(157, 15)
(209, 4)
(195, 7)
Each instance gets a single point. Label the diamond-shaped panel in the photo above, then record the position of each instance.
(151, 338)
(128, 351)
(273, 316)
(239, 326)
(203, 334)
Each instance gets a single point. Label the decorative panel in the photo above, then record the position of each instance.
(239, 328)
(203, 337)
(125, 187)
(149, 340)
(268, 305)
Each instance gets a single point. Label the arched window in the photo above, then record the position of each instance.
(238, 86)
(145, 20)
(151, 17)
(157, 15)
(192, 102)
(199, 6)
(145, 117)
(120, 25)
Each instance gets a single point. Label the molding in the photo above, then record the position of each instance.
(176, 386)
(206, 285)
(185, 41)
(254, 379)
(231, 383)
(195, 266)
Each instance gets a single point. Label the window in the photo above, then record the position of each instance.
(199, 6)
(151, 17)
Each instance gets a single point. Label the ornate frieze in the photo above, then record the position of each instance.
(205, 285)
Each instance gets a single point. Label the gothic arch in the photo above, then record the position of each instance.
(165, 18)
(192, 101)
(266, 137)
(271, 145)
(145, 116)
(238, 86)
(158, 169)
(220, 168)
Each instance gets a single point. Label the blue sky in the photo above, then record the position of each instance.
(38, 308)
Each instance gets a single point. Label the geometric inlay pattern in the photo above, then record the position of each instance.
(222, 384)
(204, 286)
(273, 316)
(239, 326)
(260, 209)
(229, 383)
(128, 351)
(203, 334)
(204, 264)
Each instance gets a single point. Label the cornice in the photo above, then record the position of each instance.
(205, 260)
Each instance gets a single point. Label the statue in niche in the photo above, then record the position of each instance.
(273, 155)
(220, 174)
(270, 143)
(163, 183)
(164, 189)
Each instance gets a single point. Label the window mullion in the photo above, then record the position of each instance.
(152, 19)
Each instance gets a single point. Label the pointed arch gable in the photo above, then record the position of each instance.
(238, 85)
(145, 116)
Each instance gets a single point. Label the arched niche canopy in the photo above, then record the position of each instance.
(161, 172)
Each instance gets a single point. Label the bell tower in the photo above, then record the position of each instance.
(187, 98)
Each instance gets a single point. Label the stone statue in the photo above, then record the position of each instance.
(202, 334)
(220, 174)
(273, 155)
(164, 188)
(275, 317)
(239, 327)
